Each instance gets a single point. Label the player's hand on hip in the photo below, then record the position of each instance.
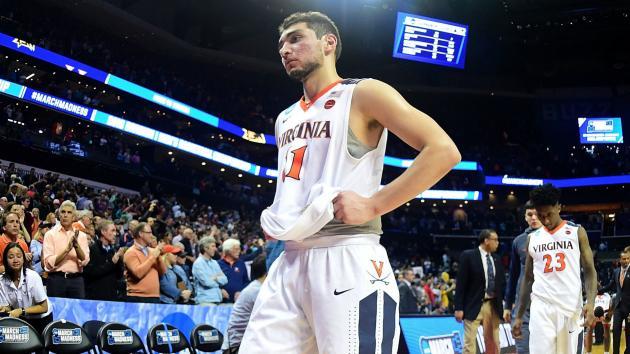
(516, 328)
(589, 315)
(507, 315)
(459, 316)
(353, 209)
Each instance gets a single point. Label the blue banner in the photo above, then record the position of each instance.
(444, 335)
(167, 102)
(11, 89)
(560, 183)
(57, 103)
(32, 50)
(141, 317)
(157, 136)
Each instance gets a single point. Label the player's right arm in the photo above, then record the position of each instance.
(525, 292)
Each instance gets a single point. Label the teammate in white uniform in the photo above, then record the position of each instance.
(603, 303)
(333, 289)
(552, 277)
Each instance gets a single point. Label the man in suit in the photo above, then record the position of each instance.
(479, 293)
(105, 269)
(408, 300)
(621, 303)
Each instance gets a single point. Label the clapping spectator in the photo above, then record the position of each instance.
(65, 253)
(105, 268)
(143, 267)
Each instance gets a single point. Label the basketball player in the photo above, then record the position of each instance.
(552, 277)
(516, 275)
(603, 303)
(333, 290)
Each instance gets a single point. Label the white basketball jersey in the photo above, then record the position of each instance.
(314, 164)
(603, 301)
(556, 256)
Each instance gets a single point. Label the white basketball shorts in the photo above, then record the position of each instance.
(552, 331)
(327, 295)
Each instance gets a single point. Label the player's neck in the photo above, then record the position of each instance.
(317, 81)
(553, 227)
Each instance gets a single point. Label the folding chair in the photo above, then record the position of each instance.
(19, 337)
(164, 338)
(117, 338)
(206, 338)
(63, 337)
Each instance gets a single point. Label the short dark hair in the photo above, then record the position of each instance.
(484, 234)
(140, 227)
(528, 205)
(318, 22)
(259, 266)
(545, 195)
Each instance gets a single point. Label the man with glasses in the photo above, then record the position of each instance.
(479, 294)
(143, 266)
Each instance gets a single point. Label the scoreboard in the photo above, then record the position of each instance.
(430, 40)
(600, 130)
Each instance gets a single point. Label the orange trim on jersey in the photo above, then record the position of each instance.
(564, 222)
(305, 106)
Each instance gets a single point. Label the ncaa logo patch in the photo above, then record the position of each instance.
(329, 104)
(568, 232)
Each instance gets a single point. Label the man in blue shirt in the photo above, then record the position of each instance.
(170, 291)
(207, 274)
(234, 268)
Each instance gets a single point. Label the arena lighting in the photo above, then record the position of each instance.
(79, 68)
(560, 183)
(80, 111)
